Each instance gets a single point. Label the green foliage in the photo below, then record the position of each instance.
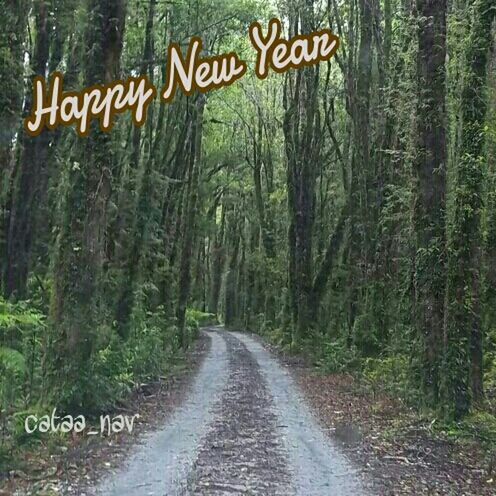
(192, 327)
(275, 336)
(490, 360)
(18, 315)
(203, 319)
(481, 425)
(365, 334)
(5, 456)
(478, 425)
(147, 356)
(389, 374)
(117, 367)
(337, 356)
(12, 363)
(18, 428)
(18, 326)
(12, 375)
(280, 337)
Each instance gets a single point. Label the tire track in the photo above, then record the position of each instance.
(161, 463)
(319, 467)
(243, 452)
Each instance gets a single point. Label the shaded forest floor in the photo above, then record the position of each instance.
(403, 453)
(67, 465)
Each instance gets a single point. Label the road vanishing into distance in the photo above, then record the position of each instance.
(244, 428)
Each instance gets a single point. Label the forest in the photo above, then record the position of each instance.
(345, 211)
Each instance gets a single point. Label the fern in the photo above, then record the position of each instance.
(18, 315)
(12, 362)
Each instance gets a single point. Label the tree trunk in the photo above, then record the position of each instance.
(231, 310)
(430, 190)
(463, 333)
(142, 210)
(217, 255)
(360, 248)
(13, 24)
(189, 226)
(490, 221)
(80, 247)
(302, 135)
(27, 192)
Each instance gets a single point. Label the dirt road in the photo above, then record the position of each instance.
(244, 429)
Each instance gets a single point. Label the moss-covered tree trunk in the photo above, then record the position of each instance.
(190, 214)
(80, 247)
(231, 291)
(490, 220)
(302, 136)
(13, 27)
(218, 260)
(142, 210)
(30, 174)
(463, 333)
(359, 258)
(430, 191)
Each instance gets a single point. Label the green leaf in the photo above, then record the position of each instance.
(12, 361)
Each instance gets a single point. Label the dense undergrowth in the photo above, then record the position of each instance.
(116, 369)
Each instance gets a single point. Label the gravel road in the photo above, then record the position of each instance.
(245, 429)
